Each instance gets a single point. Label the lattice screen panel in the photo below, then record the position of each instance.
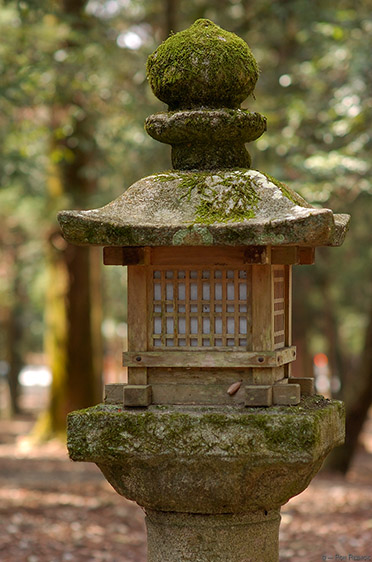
(279, 306)
(201, 308)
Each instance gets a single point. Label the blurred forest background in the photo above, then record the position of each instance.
(73, 100)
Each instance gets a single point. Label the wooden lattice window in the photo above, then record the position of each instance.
(279, 306)
(199, 307)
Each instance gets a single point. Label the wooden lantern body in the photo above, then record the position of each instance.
(209, 325)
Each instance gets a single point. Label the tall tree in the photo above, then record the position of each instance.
(74, 301)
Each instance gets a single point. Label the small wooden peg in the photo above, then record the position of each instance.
(233, 389)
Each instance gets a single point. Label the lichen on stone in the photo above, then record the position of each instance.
(288, 192)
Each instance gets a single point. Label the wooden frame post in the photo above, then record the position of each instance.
(288, 313)
(262, 319)
(137, 320)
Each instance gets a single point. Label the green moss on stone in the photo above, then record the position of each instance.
(273, 433)
(202, 66)
(112, 432)
(204, 459)
(223, 197)
(165, 177)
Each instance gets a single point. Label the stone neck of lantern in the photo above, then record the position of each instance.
(205, 138)
(205, 126)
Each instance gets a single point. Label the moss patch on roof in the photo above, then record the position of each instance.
(226, 207)
(222, 198)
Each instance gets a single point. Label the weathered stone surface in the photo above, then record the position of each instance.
(207, 139)
(286, 394)
(114, 393)
(136, 395)
(208, 460)
(193, 71)
(258, 395)
(206, 125)
(239, 207)
(248, 537)
(210, 156)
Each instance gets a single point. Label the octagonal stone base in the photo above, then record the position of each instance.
(224, 470)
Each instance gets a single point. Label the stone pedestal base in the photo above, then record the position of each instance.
(186, 537)
(211, 480)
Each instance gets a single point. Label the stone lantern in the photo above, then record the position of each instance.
(211, 434)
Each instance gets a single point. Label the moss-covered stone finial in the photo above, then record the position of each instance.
(203, 66)
(203, 74)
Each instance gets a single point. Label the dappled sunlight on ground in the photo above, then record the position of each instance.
(333, 516)
(53, 510)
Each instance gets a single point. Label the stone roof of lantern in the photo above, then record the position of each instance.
(212, 196)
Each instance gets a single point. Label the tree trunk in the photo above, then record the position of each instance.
(14, 327)
(53, 421)
(171, 7)
(357, 407)
(15, 356)
(303, 366)
(82, 303)
(73, 338)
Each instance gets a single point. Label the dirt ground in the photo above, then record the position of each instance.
(54, 510)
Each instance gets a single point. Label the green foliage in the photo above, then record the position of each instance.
(319, 139)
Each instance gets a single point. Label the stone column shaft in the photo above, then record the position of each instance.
(187, 537)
